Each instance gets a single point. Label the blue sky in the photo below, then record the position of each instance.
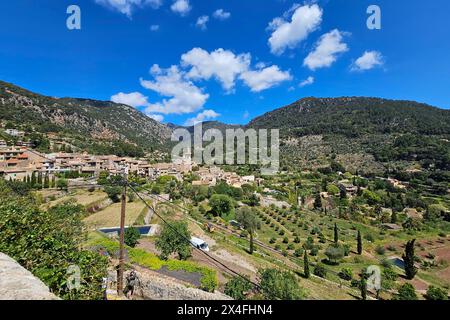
(250, 57)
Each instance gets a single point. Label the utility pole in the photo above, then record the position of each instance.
(122, 234)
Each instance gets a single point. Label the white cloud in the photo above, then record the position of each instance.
(182, 7)
(201, 22)
(128, 6)
(221, 64)
(226, 67)
(154, 27)
(202, 116)
(245, 115)
(156, 117)
(221, 14)
(266, 78)
(288, 34)
(308, 81)
(369, 60)
(184, 96)
(134, 99)
(326, 50)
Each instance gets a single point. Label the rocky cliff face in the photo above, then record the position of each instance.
(17, 283)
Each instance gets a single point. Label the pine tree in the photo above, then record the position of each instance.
(359, 243)
(336, 234)
(306, 264)
(408, 259)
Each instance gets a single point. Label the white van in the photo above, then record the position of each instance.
(199, 244)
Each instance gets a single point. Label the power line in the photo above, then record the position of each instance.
(190, 243)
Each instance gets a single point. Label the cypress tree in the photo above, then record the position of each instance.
(306, 264)
(408, 259)
(39, 178)
(363, 287)
(33, 179)
(359, 243)
(336, 234)
(46, 182)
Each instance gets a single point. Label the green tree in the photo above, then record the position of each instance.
(174, 238)
(408, 259)
(359, 243)
(247, 218)
(406, 292)
(435, 293)
(114, 193)
(221, 205)
(46, 182)
(62, 184)
(33, 179)
(48, 242)
(363, 287)
(237, 288)
(318, 201)
(320, 271)
(132, 236)
(336, 234)
(334, 253)
(306, 271)
(277, 284)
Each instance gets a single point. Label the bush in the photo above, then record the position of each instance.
(298, 252)
(380, 250)
(48, 242)
(435, 293)
(272, 240)
(285, 240)
(237, 288)
(346, 274)
(280, 285)
(406, 292)
(320, 271)
(132, 236)
(113, 193)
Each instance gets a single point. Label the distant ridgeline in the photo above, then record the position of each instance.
(361, 134)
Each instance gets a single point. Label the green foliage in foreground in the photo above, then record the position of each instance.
(237, 288)
(48, 242)
(209, 281)
(276, 284)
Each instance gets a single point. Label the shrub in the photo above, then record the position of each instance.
(320, 271)
(435, 293)
(314, 251)
(277, 284)
(406, 292)
(132, 236)
(298, 252)
(272, 240)
(285, 240)
(346, 274)
(237, 288)
(380, 250)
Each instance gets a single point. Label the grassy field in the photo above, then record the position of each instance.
(82, 197)
(110, 216)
